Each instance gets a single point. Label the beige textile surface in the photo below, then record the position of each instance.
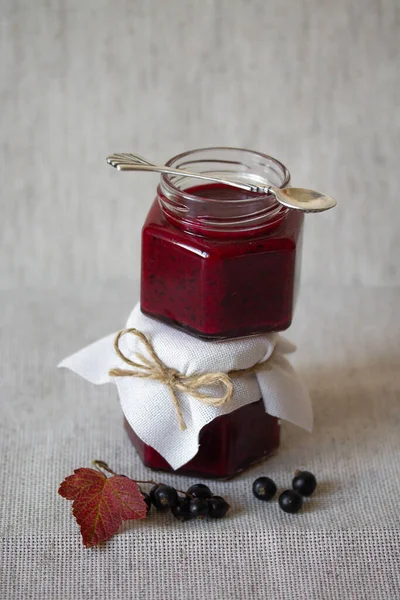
(314, 83)
(344, 545)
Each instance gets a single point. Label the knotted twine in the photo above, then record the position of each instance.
(155, 369)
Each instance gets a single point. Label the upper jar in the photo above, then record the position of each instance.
(217, 261)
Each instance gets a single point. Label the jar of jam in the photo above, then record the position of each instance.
(220, 269)
(219, 262)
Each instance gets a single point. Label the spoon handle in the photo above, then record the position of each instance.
(134, 162)
(128, 158)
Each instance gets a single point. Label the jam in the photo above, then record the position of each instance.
(226, 446)
(222, 286)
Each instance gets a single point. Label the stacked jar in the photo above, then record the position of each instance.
(222, 263)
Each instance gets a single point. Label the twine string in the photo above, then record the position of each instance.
(153, 368)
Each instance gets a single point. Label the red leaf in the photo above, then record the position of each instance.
(101, 503)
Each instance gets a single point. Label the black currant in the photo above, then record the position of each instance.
(164, 497)
(181, 510)
(199, 490)
(217, 507)
(152, 494)
(290, 501)
(147, 499)
(264, 488)
(198, 507)
(304, 482)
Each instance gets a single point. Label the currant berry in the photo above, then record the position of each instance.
(165, 497)
(304, 482)
(152, 493)
(217, 507)
(198, 507)
(264, 488)
(181, 510)
(290, 501)
(199, 490)
(147, 499)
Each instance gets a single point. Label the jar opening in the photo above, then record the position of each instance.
(205, 207)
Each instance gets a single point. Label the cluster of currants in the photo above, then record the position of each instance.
(197, 501)
(290, 501)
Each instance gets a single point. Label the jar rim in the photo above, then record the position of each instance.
(168, 179)
(247, 213)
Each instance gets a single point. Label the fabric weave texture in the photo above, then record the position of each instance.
(314, 83)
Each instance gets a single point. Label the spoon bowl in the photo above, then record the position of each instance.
(303, 199)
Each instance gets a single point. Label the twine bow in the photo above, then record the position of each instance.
(155, 369)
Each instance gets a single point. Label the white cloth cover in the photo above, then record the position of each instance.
(147, 404)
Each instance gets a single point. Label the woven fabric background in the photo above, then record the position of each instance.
(311, 82)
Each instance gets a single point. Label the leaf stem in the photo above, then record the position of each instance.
(149, 481)
(100, 464)
(157, 483)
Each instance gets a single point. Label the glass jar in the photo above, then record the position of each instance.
(217, 261)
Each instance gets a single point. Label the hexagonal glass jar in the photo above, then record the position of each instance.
(217, 261)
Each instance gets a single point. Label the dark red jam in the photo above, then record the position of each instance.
(223, 284)
(227, 445)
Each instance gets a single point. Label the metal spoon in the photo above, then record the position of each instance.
(296, 198)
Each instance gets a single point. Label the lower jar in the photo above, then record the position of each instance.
(227, 445)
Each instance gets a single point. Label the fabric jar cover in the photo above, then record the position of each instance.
(147, 404)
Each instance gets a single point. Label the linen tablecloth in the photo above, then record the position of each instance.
(314, 83)
(345, 542)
